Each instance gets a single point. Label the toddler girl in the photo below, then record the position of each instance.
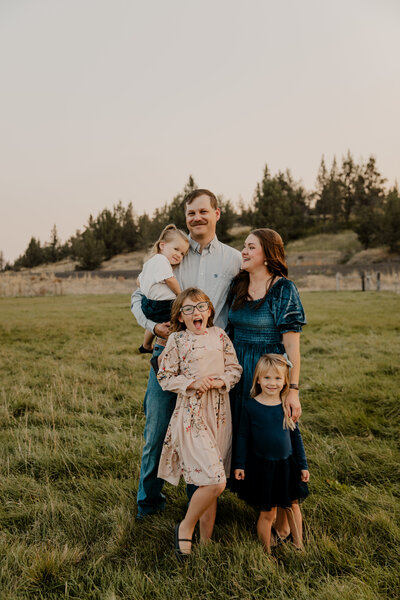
(157, 281)
(199, 363)
(270, 460)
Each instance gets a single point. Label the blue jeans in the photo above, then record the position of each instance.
(158, 408)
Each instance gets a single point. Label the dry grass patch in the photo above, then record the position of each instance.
(48, 284)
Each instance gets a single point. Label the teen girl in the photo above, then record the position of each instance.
(270, 461)
(199, 364)
(157, 281)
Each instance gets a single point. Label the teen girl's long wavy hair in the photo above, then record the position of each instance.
(197, 296)
(274, 252)
(275, 362)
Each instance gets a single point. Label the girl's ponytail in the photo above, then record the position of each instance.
(167, 235)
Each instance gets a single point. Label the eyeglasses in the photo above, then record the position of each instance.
(188, 309)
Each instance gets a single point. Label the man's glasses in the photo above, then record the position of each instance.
(188, 309)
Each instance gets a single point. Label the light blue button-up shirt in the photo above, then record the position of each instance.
(211, 270)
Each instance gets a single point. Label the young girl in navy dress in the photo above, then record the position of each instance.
(270, 462)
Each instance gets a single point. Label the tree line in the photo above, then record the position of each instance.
(347, 196)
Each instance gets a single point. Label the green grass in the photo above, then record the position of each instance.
(344, 241)
(71, 436)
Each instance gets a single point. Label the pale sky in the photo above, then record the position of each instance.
(109, 100)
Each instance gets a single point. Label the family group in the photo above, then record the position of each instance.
(222, 401)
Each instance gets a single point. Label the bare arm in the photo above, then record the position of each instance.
(291, 341)
(173, 285)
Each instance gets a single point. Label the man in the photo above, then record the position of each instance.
(209, 265)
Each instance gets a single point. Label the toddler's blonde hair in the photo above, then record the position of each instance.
(167, 235)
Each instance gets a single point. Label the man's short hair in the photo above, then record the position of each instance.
(201, 192)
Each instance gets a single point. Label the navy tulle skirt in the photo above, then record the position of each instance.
(270, 483)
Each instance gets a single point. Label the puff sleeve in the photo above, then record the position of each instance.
(286, 306)
(170, 376)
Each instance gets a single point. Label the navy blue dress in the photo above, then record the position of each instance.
(271, 456)
(259, 331)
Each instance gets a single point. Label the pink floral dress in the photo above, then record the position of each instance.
(198, 441)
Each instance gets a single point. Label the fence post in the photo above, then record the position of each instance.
(338, 282)
(363, 281)
(368, 281)
(378, 281)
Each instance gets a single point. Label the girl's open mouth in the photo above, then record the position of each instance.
(197, 322)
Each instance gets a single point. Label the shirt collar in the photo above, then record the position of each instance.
(195, 246)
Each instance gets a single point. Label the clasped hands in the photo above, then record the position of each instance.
(206, 383)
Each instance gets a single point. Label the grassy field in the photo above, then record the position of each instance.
(71, 437)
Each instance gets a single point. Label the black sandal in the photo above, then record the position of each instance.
(144, 350)
(178, 552)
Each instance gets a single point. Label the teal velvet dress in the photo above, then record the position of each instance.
(257, 331)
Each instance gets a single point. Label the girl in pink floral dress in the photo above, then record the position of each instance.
(199, 364)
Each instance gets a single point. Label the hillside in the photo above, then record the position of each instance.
(322, 249)
(317, 263)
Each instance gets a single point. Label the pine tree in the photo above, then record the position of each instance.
(244, 213)
(144, 231)
(226, 221)
(280, 203)
(348, 177)
(53, 248)
(322, 205)
(32, 257)
(129, 229)
(369, 204)
(391, 221)
(88, 250)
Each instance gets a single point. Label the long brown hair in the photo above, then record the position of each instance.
(194, 294)
(275, 362)
(272, 245)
